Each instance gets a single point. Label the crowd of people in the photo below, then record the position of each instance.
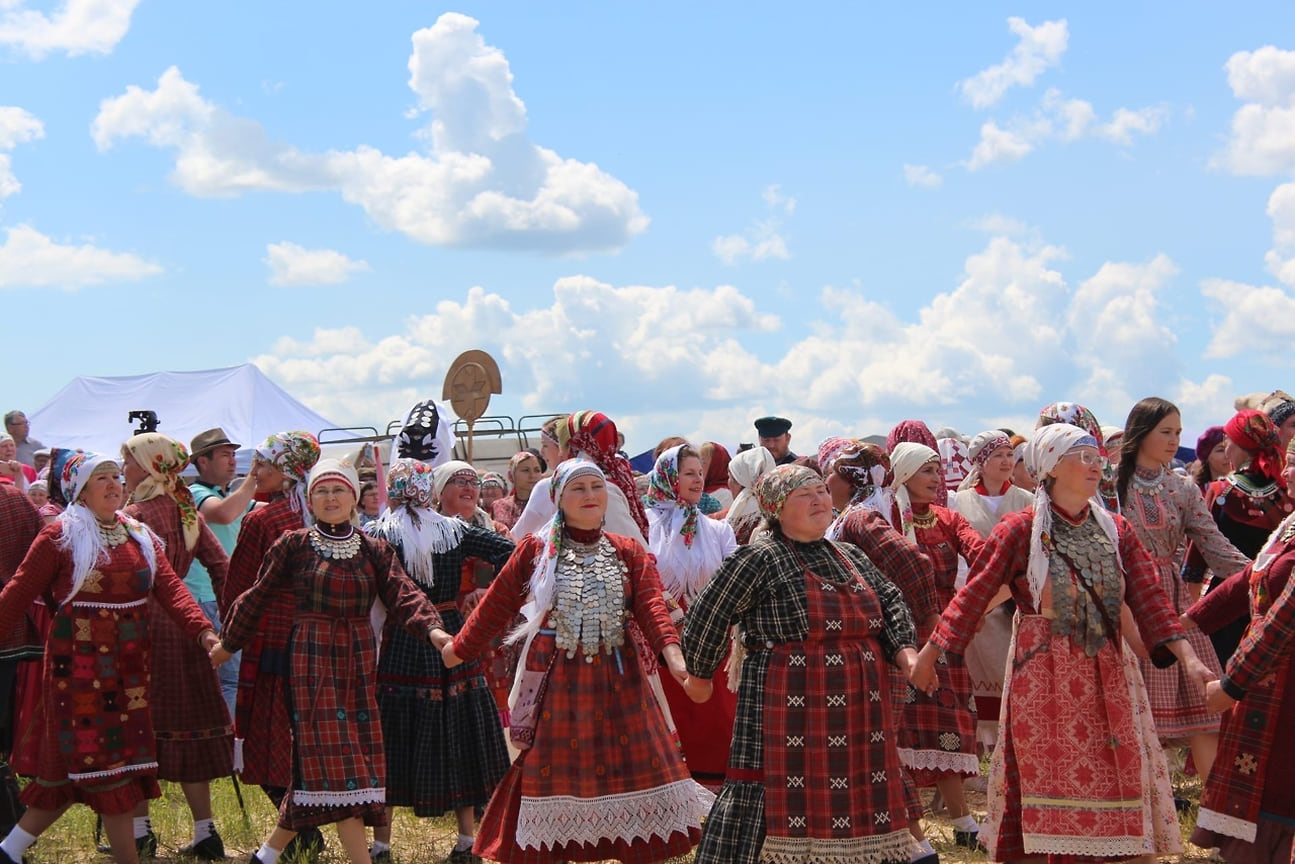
(757, 655)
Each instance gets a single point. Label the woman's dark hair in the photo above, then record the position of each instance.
(1144, 417)
(688, 450)
(1202, 474)
(367, 488)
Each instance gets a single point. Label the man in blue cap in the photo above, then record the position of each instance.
(775, 436)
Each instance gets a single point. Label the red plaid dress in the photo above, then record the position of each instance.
(937, 737)
(195, 741)
(20, 522)
(339, 766)
(602, 779)
(262, 731)
(97, 746)
(1249, 798)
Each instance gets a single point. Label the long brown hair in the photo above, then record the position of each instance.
(1144, 417)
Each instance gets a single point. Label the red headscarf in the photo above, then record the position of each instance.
(1253, 432)
(594, 434)
(917, 432)
(717, 471)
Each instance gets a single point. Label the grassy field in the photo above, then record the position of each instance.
(416, 841)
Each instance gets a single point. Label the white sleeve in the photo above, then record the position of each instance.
(538, 511)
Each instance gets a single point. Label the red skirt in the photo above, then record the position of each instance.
(264, 731)
(705, 729)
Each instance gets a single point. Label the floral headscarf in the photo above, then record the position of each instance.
(1077, 415)
(58, 459)
(866, 467)
(81, 535)
(905, 461)
(688, 548)
(1255, 433)
(411, 523)
(293, 453)
(982, 448)
(164, 459)
(594, 434)
(514, 463)
(772, 489)
(917, 432)
(829, 450)
(1042, 453)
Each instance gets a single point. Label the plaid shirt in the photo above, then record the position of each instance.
(1003, 561)
(899, 559)
(19, 524)
(260, 529)
(163, 516)
(1271, 633)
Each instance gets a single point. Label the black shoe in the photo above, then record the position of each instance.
(933, 858)
(254, 859)
(145, 847)
(383, 857)
(1182, 805)
(5, 859)
(968, 840)
(463, 856)
(210, 848)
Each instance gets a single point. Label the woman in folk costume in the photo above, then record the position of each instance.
(689, 548)
(195, 739)
(97, 569)
(524, 472)
(262, 731)
(444, 743)
(1246, 505)
(599, 775)
(715, 460)
(938, 738)
(334, 574)
(1074, 696)
(743, 471)
(1077, 415)
(985, 496)
(1248, 806)
(1165, 509)
(813, 773)
(917, 432)
(858, 474)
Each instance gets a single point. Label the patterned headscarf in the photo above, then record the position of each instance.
(493, 478)
(688, 548)
(717, 468)
(1255, 433)
(906, 459)
(829, 450)
(956, 462)
(164, 458)
(1042, 453)
(81, 535)
(411, 524)
(982, 448)
(58, 459)
(594, 434)
(293, 453)
(746, 468)
(518, 458)
(772, 489)
(866, 467)
(1077, 415)
(426, 435)
(917, 432)
(1279, 407)
(544, 574)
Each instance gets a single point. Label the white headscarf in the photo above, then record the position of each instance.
(905, 461)
(1042, 453)
(746, 468)
(688, 547)
(982, 447)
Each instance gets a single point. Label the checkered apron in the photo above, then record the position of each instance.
(832, 773)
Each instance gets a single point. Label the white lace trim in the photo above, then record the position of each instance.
(877, 849)
(238, 755)
(1221, 823)
(633, 816)
(114, 772)
(375, 795)
(938, 760)
(80, 604)
(1092, 847)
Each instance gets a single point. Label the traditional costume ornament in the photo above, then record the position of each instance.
(336, 548)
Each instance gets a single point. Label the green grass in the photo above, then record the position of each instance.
(415, 841)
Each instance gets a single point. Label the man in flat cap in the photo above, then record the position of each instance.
(775, 436)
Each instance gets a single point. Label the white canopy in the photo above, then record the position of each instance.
(91, 413)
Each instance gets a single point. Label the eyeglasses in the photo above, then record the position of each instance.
(465, 482)
(1089, 458)
(330, 491)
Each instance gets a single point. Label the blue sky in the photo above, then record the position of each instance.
(686, 215)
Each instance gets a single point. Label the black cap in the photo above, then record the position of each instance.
(772, 427)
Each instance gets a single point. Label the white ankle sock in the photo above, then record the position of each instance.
(268, 854)
(966, 823)
(18, 842)
(142, 826)
(465, 842)
(202, 829)
(379, 847)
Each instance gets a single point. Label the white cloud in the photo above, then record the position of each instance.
(16, 127)
(763, 240)
(29, 259)
(1262, 139)
(482, 182)
(291, 264)
(1257, 320)
(921, 175)
(1211, 398)
(74, 27)
(1058, 118)
(1038, 49)
(1281, 258)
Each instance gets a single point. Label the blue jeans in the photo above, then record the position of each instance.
(228, 672)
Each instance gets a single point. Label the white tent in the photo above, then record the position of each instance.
(92, 413)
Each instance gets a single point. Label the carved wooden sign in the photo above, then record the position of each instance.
(471, 379)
